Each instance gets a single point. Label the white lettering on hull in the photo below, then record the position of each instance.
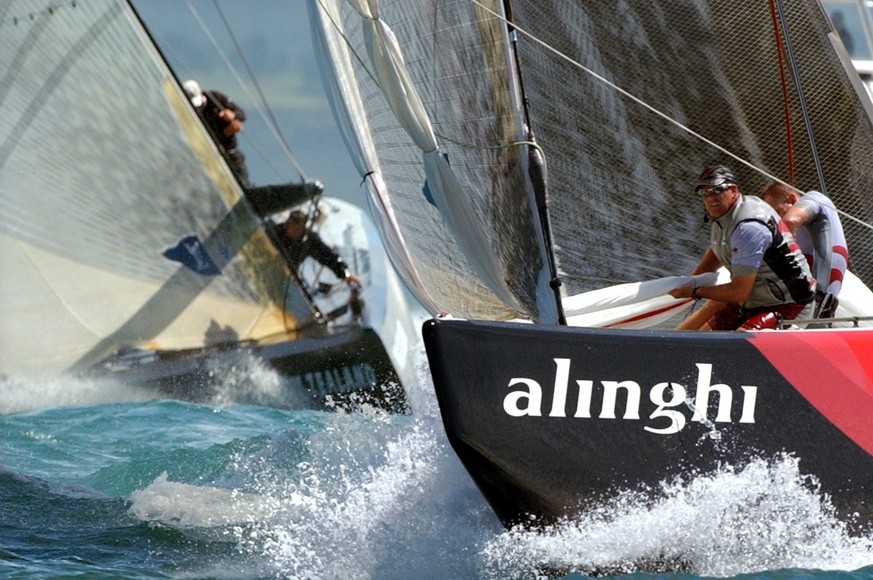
(666, 419)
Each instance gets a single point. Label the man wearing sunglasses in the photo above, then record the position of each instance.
(770, 277)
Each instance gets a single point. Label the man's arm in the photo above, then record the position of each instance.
(749, 239)
(325, 255)
(708, 263)
(796, 217)
(737, 290)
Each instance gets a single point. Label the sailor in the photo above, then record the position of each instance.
(815, 223)
(224, 119)
(770, 277)
(296, 242)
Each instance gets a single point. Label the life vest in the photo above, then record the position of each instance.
(784, 275)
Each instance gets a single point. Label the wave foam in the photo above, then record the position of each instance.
(765, 516)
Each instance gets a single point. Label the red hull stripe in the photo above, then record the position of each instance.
(833, 370)
(645, 315)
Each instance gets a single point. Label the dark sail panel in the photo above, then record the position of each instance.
(631, 103)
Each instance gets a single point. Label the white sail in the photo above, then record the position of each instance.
(448, 234)
(121, 224)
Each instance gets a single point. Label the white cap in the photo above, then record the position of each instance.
(192, 89)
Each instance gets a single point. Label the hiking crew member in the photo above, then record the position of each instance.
(815, 223)
(770, 277)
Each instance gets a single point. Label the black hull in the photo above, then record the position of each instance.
(539, 468)
(340, 369)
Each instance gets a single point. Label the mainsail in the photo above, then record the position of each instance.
(121, 224)
(627, 102)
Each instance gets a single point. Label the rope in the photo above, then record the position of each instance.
(789, 142)
(271, 122)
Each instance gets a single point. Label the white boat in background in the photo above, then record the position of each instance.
(130, 251)
(532, 164)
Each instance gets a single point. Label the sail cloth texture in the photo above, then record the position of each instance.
(122, 225)
(449, 196)
(338, 76)
(462, 259)
(651, 93)
(628, 106)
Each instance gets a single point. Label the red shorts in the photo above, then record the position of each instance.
(735, 317)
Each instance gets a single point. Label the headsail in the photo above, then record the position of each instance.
(628, 103)
(464, 255)
(122, 225)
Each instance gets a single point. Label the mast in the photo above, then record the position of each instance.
(538, 175)
(800, 97)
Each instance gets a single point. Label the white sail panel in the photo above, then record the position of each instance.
(122, 226)
(482, 149)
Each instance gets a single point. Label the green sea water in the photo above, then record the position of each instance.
(101, 481)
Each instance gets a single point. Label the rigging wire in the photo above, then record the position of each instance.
(270, 122)
(269, 111)
(623, 92)
(183, 66)
(655, 111)
(273, 124)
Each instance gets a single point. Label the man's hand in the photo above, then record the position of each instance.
(232, 125)
(682, 292)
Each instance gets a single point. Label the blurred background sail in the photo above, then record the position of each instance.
(122, 225)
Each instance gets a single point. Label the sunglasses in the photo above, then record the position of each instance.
(714, 189)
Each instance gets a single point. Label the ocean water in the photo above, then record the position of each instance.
(100, 480)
